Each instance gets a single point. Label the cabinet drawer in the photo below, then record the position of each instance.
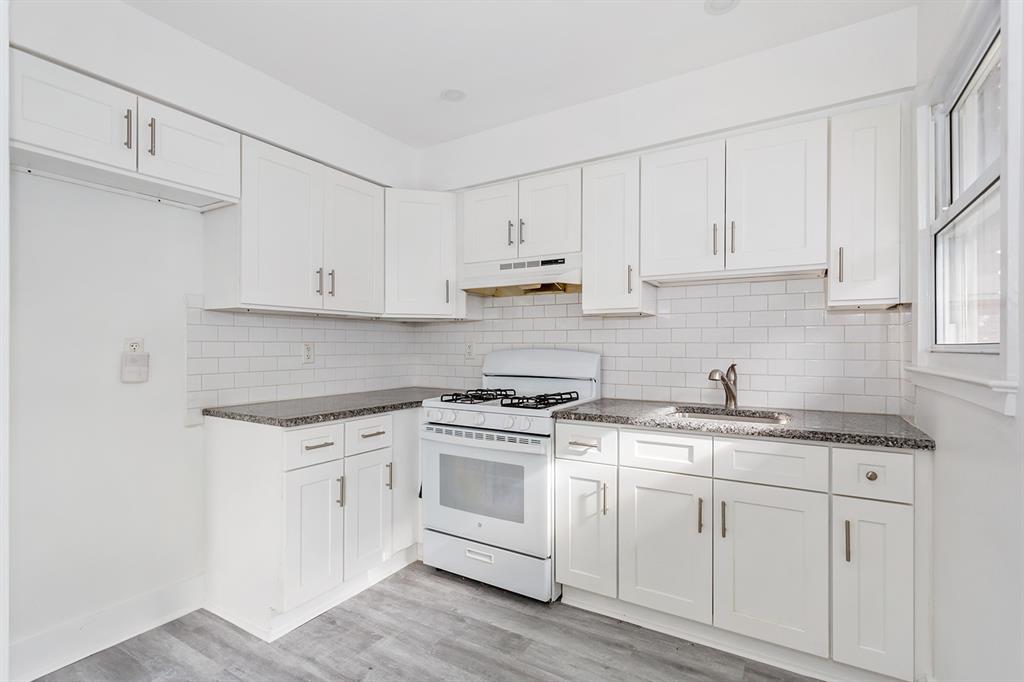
(598, 444)
(304, 447)
(783, 464)
(875, 475)
(368, 434)
(665, 452)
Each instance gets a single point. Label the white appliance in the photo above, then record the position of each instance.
(488, 468)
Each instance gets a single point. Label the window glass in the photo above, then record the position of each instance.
(975, 121)
(967, 275)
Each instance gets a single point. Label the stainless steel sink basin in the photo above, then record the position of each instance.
(736, 415)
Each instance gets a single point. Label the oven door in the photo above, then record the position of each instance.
(487, 486)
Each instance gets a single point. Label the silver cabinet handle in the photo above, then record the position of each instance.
(871, 475)
(128, 137)
(581, 444)
(447, 291)
(714, 239)
(604, 506)
(152, 137)
(333, 283)
(723, 518)
(629, 279)
(522, 226)
(732, 239)
(391, 476)
(341, 491)
(320, 286)
(511, 242)
(325, 444)
(373, 434)
(840, 264)
(847, 526)
(700, 515)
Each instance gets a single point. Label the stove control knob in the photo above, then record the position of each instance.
(479, 419)
(523, 423)
(510, 422)
(449, 416)
(433, 415)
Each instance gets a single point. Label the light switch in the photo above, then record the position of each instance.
(134, 367)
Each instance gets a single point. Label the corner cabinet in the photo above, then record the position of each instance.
(420, 253)
(611, 241)
(864, 257)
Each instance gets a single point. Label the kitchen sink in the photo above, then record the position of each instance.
(732, 415)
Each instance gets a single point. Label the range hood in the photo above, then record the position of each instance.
(559, 274)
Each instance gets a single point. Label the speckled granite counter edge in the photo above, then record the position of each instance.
(306, 420)
(757, 430)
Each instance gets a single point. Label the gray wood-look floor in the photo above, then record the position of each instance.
(420, 624)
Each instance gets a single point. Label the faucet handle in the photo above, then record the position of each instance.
(730, 373)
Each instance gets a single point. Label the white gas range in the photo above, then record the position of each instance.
(488, 468)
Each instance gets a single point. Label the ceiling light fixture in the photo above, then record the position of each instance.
(453, 95)
(719, 7)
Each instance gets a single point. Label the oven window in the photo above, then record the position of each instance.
(482, 487)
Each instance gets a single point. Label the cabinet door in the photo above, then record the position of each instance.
(549, 214)
(665, 529)
(864, 257)
(368, 481)
(420, 252)
(314, 531)
(873, 586)
(776, 197)
(282, 228)
(490, 223)
(683, 210)
(406, 479)
(353, 244)
(771, 564)
(63, 111)
(611, 236)
(586, 513)
(188, 150)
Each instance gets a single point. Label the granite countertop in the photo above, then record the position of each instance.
(841, 428)
(328, 408)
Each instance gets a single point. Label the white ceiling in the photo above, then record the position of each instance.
(385, 63)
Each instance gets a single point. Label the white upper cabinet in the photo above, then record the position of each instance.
(864, 256)
(63, 111)
(353, 244)
(683, 209)
(873, 586)
(771, 564)
(611, 240)
(777, 198)
(282, 229)
(550, 214)
(420, 253)
(490, 223)
(586, 513)
(665, 529)
(314, 531)
(188, 150)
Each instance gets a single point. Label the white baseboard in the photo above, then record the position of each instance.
(75, 639)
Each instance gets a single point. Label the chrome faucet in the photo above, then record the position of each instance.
(728, 383)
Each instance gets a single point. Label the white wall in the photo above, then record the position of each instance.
(124, 45)
(5, 328)
(862, 60)
(107, 482)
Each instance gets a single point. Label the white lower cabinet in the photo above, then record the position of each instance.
(314, 531)
(873, 586)
(586, 512)
(771, 564)
(665, 531)
(368, 482)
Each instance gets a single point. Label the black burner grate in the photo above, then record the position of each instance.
(540, 402)
(477, 395)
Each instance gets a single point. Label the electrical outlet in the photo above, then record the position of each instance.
(470, 351)
(307, 353)
(134, 345)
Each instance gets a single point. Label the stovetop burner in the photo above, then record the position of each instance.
(541, 401)
(477, 395)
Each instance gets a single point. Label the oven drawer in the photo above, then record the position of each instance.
(876, 475)
(372, 433)
(587, 443)
(515, 572)
(305, 447)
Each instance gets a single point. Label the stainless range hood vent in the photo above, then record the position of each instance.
(559, 274)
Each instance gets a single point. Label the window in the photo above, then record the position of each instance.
(967, 231)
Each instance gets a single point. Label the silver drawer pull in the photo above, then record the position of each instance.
(391, 476)
(325, 444)
(700, 515)
(341, 491)
(372, 434)
(871, 475)
(846, 525)
(604, 505)
(585, 446)
(128, 137)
